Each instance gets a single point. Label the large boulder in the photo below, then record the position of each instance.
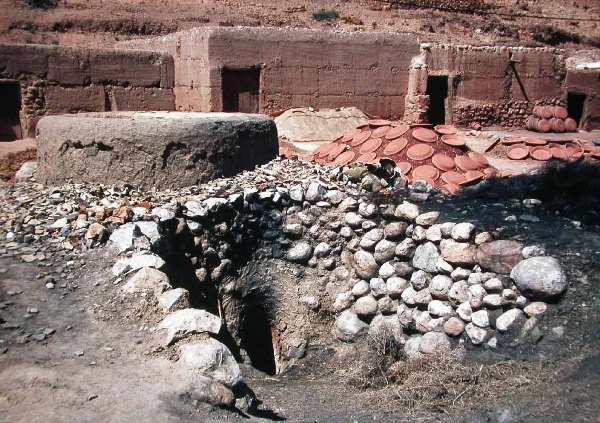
(213, 359)
(145, 149)
(348, 327)
(540, 278)
(499, 256)
(189, 320)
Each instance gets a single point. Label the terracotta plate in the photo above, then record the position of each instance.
(472, 177)
(478, 158)
(451, 189)
(360, 138)
(445, 129)
(395, 146)
(397, 131)
(425, 172)
(324, 149)
(366, 158)
(419, 152)
(574, 151)
(336, 151)
(344, 158)
(379, 122)
(518, 152)
(404, 167)
(559, 152)
(348, 136)
(541, 153)
(511, 141)
(490, 171)
(443, 162)
(453, 177)
(424, 134)
(535, 141)
(465, 164)
(371, 145)
(453, 140)
(381, 131)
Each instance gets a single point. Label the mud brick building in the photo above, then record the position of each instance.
(268, 70)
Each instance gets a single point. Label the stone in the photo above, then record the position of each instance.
(434, 343)
(411, 348)
(96, 232)
(189, 320)
(213, 359)
(459, 274)
(462, 231)
(464, 311)
(343, 301)
(493, 285)
(108, 147)
(419, 234)
(300, 252)
(322, 250)
(476, 293)
(427, 219)
(540, 278)
(433, 233)
(361, 288)
(335, 196)
(384, 250)
(492, 301)
(405, 316)
(365, 265)
(454, 326)
(137, 261)
(427, 258)
(384, 329)
(458, 292)
(461, 253)
(507, 319)
(378, 287)
(446, 229)
(481, 318)
(371, 238)
(315, 192)
(476, 334)
(423, 297)
(386, 305)
(209, 391)
(425, 323)
(406, 248)
(387, 270)
(408, 295)
(395, 286)
(406, 211)
(483, 237)
(365, 306)
(26, 171)
(348, 327)
(348, 204)
(438, 308)
(296, 194)
(394, 230)
(354, 220)
(147, 280)
(440, 286)
(367, 210)
(535, 309)
(533, 251)
(174, 299)
(499, 256)
(293, 230)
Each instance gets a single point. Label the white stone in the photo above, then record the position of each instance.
(387, 270)
(384, 251)
(454, 326)
(533, 251)
(462, 231)
(361, 288)
(147, 280)
(348, 327)
(408, 295)
(371, 238)
(493, 285)
(365, 306)
(174, 299)
(458, 292)
(481, 318)
(395, 286)
(427, 219)
(407, 211)
(475, 294)
(535, 309)
(476, 334)
(343, 301)
(433, 233)
(492, 300)
(411, 348)
(438, 308)
(507, 319)
(464, 311)
(213, 359)
(378, 287)
(189, 320)
(540, 277)
(434, 342)
(440, 286)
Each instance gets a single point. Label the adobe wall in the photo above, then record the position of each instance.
(56, 80)
(582, 80)
(485, 88)
(299, 68)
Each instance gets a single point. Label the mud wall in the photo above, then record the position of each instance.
(586, 81)
(497, 85)
(56, 80)
(298, 67)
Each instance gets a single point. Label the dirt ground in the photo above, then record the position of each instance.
(99, 23)
(102, 364)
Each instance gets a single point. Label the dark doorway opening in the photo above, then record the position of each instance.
(256, 338)
(241, 88)
(437, 90)
(575, 105)
(10, 105)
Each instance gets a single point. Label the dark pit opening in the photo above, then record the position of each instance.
(437, 90)
(257, 339)
(10, 105)
(575, 104)
(241, 88)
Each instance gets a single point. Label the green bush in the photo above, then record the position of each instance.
(326, 15)
(41, 4)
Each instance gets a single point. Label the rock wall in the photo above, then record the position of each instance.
(498, 86)
(299, 68)
(57, 80)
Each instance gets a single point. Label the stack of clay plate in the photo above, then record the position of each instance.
(438, 156)
(517, 148)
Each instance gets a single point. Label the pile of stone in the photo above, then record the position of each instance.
(385, 264)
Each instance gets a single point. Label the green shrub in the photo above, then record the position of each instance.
(326, 15)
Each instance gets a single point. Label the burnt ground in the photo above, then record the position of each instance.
(102, 364)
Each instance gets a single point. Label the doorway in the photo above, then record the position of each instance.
(256, 337)
(437, 90)
(10, 106)
(575, 105)
(241, 89)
